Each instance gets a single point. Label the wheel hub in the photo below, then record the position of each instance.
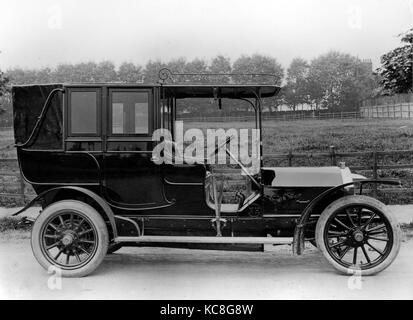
(68, 239)
(358, 236)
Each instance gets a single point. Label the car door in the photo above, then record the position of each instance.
(131, 179)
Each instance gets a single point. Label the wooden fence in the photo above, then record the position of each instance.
(333, 157)
(395, 111)
(390, 111)
(388, 100)
(22, 195)
(280, 116)
(398, 106)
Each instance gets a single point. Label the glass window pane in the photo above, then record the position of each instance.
(117, 118)
(141, 117)
(83, 112)
(130, 112)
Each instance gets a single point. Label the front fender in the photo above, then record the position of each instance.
(298, 241)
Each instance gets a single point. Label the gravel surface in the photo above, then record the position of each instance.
(158, 273)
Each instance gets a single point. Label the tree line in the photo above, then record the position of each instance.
(333, 81)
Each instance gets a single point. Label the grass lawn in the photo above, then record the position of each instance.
(348, 135)
(318, 135)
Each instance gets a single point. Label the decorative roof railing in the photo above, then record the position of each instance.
(166, 75)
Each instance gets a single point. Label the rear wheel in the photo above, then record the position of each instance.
(358, 233)
(70, 235)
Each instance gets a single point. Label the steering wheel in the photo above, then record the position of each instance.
(227, 140)
(176, 154)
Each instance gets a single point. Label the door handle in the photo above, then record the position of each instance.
(303, 201)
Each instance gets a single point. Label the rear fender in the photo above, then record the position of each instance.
(50, 194)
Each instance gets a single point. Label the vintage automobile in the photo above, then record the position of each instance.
(87, 150)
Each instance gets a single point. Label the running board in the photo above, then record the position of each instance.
(228, 240)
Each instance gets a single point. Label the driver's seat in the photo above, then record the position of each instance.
(209, 195)
(210, 179)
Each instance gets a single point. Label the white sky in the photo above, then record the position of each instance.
(45, 32)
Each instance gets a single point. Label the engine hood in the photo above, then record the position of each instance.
(307, 176)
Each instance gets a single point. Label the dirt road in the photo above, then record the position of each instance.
(152, 273)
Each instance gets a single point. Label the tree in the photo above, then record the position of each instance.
(258, 64)
(21, 76)
(106, 72)
(196, 66)
(339, 81)
(178, 65)
(396, 70)
(65, 72)
(44, 75)
(151, 71)
(129, 72)
(220, 64)
(3, 91)
(295, 91)
(85, 72)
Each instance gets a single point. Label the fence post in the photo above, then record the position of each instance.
(375, 173)
(22, 186)
(290, 158)
(333, 156)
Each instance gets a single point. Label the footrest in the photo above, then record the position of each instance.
(185, 239)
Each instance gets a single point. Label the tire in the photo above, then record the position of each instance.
(354, 244)
(72, 230)
(113, 247)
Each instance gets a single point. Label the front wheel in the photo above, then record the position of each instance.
(71, 236)
(358, 234)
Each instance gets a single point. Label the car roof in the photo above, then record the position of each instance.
(231, 91)
(180, 91)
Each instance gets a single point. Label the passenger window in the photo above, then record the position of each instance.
(130, 112)
(83, 113)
